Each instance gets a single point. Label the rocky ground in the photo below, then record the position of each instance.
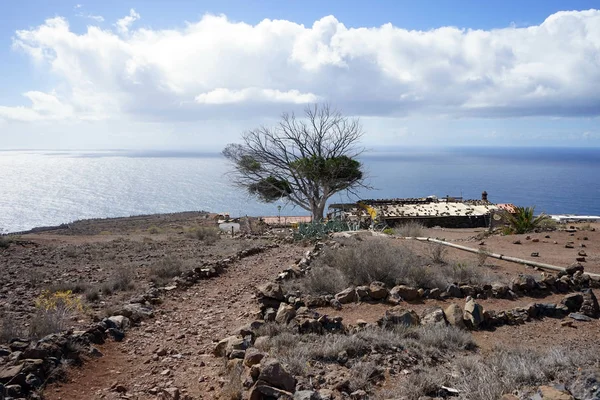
(334, 349)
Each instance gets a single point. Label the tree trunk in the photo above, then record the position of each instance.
(318, 209)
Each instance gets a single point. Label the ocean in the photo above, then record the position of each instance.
(43, 188)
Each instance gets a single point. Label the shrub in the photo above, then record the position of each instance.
(122, 280)
(4, 242)
(207, 235)
(164, 270)
(410, 229)
(438, 252)
(482, 256)
(523, 220)
(54, 309)
(92, 295)
(379, 259)
(8, 329)
(501, 372)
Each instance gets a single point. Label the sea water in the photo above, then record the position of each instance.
(42, 188)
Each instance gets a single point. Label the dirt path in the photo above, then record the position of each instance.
(185, 327)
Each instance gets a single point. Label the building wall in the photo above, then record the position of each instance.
(479, 221)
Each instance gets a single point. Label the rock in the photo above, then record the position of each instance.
(346, 296)
(434, 293)
(523, 283)
(570, 270)
(509, 397)
(121, 322)
(453, 291)
(404, 292)
(550, 393)
(499, 289)
(33, 381)
(273, 373)
(263, 392)
(433, 316)
(306, 395)
(580, 317)
(589, 306)
(566, 323)
(473, 313)
(225, 346)
(582, 253)
(454, 316)
(516, 241)
(335, 304)
(285, 313)
(261, 341)
(253, 357)
(573, 301)
(136, 312)
(399, 316)
(363, 292)
(270, 315)
(359, 395)
(10, 373)
(271, 290)
(171, 393)
(378, 291)
(13, 390)
(535, 254)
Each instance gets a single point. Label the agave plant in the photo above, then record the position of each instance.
(523, 220)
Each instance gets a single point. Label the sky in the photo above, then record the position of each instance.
(193, 75)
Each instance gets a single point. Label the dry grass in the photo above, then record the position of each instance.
(162, 271)
(437, 253)
(410, 229)
(488, 378)
(377, 259)
(206, 234)
(46, 322)
(8, 329)
(298, 352)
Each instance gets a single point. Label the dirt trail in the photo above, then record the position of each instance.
(185, 326)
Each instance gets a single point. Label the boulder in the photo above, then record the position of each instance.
(433, 316)
(404, 292)
(363, 292)
(454, 316)
(571, 269)
(589, 305)
(453, 291)
(378, 291)
(399, 316)
(273, 373)
(261, 392)
(473, 313)
(346, 296)
(285, 313)
(253, 357)
(573, 301)
(120, 322)
(227, 345)
(271, 290)
(523, 283)
(306, 395)
(136, 312)
(10, 373)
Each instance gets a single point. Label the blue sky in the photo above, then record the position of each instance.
(158, 74)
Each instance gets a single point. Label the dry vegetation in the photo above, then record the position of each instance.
(360, 262)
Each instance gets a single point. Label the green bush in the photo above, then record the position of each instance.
(523, 220)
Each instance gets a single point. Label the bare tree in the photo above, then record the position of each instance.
(301, 160)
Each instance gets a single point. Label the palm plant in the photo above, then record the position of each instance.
(523, 220)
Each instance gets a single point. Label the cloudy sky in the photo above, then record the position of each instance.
(189, 74)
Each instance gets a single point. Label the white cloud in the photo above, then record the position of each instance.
(44, 106)
(552, 69)
(124, 23)
(227, 96)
